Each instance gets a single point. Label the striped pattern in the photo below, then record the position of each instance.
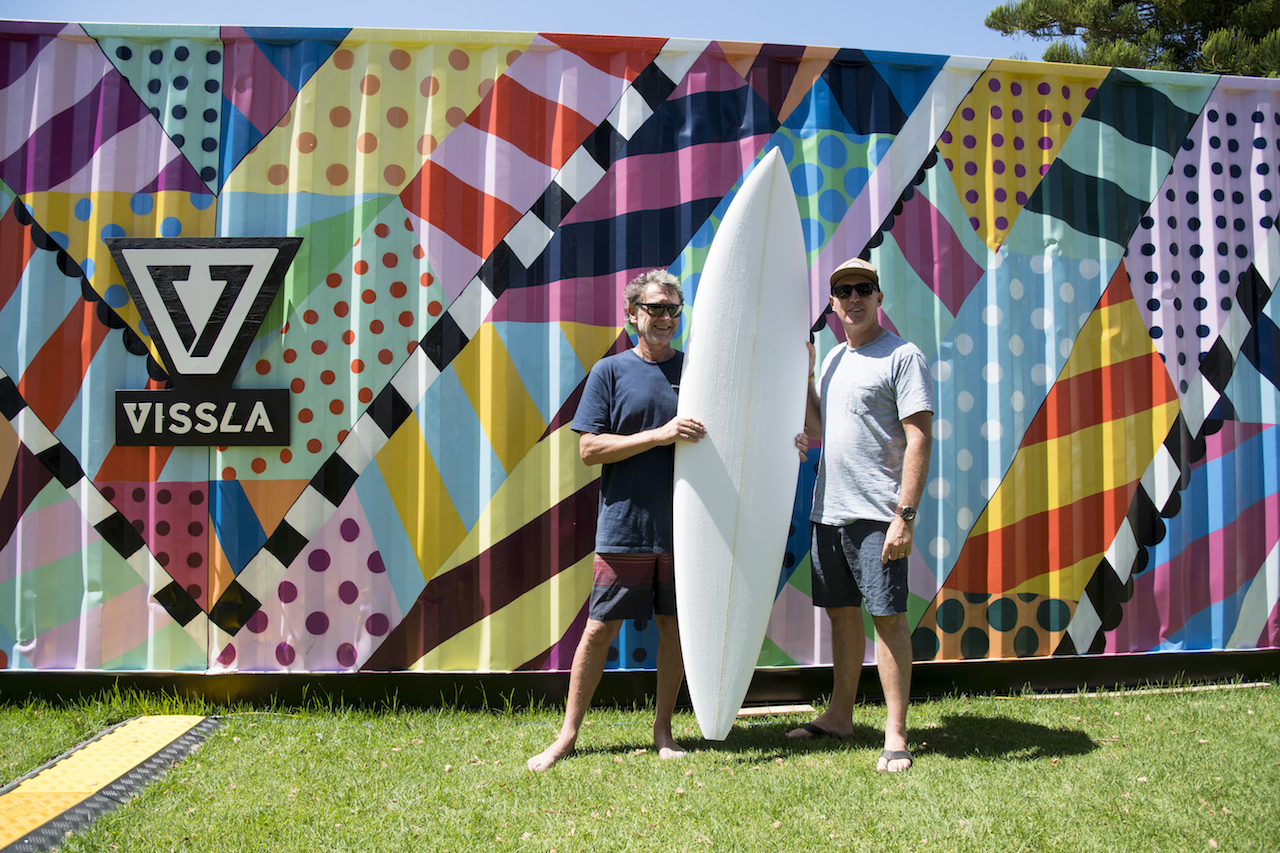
(1005, 350)
(92, 112)
(1068, 485)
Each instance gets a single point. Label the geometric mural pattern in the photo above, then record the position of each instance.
(1087, 256)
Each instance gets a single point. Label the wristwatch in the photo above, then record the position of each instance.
(908, 513)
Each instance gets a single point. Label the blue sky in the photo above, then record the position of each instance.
(921, 26)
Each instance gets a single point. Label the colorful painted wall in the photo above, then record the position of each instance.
(1086, 255)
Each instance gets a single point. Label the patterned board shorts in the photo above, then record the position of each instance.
(632, 586)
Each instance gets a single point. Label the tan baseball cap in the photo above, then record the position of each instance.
(859, 266)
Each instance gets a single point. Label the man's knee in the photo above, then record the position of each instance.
(600, 633)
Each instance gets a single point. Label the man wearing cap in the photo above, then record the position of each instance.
(872, 406)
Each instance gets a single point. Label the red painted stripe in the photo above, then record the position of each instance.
(1003, 559)
(604, 53)
(545, 130)
(473, 218)
(16, 249)
(1117, 289)
(1109, 393)
(52, 380)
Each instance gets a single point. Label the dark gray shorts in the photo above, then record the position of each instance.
(847, 570)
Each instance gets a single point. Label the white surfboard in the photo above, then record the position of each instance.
(744, 378)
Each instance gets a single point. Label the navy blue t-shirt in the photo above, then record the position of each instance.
(625, 395)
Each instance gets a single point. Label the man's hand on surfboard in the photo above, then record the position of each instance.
(682, 429)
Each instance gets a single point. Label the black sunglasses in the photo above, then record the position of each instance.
(657, 309)
(844, 291)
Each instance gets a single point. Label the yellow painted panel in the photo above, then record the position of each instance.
(1112, 334)
(548, 474)
(528, 626)
(1011, 125)
(367, 119)
(425, 508)
(590, 343)
(507, 413)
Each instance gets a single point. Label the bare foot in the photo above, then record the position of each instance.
(894, 761)
(668, 748)
(547, 759)
(821, 727)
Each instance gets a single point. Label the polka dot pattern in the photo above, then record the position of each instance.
(1007, 132)
(332, 608)
(173, 519)
(830, 170)
(83, 220)
(180, 81)
(973, 625)
(1198, 237)
(342, 345)
(366, 120)
(1006, 348)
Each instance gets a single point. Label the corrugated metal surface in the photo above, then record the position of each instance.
(1085, 255)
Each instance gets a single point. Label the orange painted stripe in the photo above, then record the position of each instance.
(138, 464)
(602, 52)
(1005, 558)
(51, 382)
(547, 131)
(473, 218)
(1109, 393)
(16, 249)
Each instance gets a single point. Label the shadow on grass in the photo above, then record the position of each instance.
(957, 736)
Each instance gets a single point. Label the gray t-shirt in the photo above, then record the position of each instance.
(866, 392)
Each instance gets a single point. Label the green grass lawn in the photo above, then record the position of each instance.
(1182, 771)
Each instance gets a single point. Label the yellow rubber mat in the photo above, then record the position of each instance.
(38, 810)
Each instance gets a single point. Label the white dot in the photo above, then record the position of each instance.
(942, 371)
(1015, 345)
(997, 261)
(992, 430)
(1040, 374)
(1042, 318)
(1040, 264)
(989, 487)
(940, 547)
(964, 460)
(1067, 292)
(964, 344)
(964, 518)
(992, 373)
(991, 315)
(1015, 288)
(940, 488)
(964, 401)
(941, 429)
(1018, 401)
(1065, 347)
(1089, 269)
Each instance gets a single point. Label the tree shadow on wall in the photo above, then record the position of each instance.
(967, 735)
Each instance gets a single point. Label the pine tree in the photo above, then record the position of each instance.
(1214, 36)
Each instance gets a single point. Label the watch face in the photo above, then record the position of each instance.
(908, 513)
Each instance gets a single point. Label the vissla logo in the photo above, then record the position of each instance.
(203, 300)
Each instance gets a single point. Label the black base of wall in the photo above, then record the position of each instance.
(522, 689)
